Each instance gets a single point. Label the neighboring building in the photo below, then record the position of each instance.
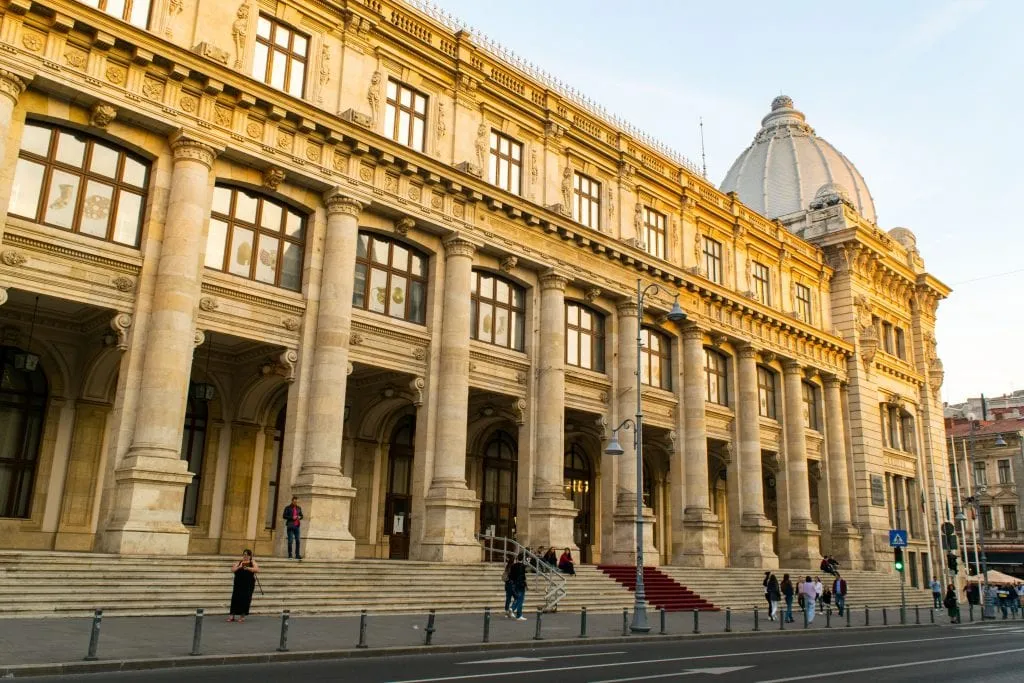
(989, 467)
(984, 407)
(350, 253)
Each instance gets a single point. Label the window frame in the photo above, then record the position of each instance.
(712, 250)
(803, 303)
(809, 393)
(767, 393)
(516, 314)
(664, 355)
(291, 57)
(901, 342)
(126, 12)
(32, 405)
(655, 233)
(1005, 471)
(980, 473)
(595, 334)
(586, 192)
(720, 372)
(1010, 513)
(985, 517)
(761, 276)
(496, 157)
(369, 265)
(393, 109)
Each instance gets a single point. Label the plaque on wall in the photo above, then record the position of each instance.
(877, 490)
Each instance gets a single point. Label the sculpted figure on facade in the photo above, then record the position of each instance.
(567, 189)
(481, 145)
(373, 97)
(239, 32)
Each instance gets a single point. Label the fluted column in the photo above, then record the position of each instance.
(551, 513)
(451, 507)
(803, 533)
(324, 491)
(700, 547)
(845, 537)
(151, 480)
(756, 530)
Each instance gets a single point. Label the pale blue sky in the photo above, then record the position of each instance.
(923, 96)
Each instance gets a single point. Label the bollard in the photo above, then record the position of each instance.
(917, 614)
(583, 622)
(931, 613)
(283, 646)
(94, 636)
(903, 615)
(487, 624)
(362, 629)
(662, 631)
(429, 630)
(625, 621)
(885, 617)
(782, 619)
(536, 632)
(728, 620)
(696, 621)
(849, 614)
(828, 618)
(197, 633)
(867, 616)
(755, 619)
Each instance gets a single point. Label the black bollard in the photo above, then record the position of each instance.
(903, 615)
(885, 617)
(94, 636)
(362, 630)
(625, 621)
(662, 631)
(429, 630)
(828, 618)
(782, 620)
(536, 632)
(917, 614)
(728, 620)
(931, 613)
(849, 615)
(867, 616)
(283, 645)
(583, 622)
(756, 628)
(487, 624)
(696, 621)
(197, 634)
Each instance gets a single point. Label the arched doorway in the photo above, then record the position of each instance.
(500, 472)
(579, 487)
(22, 407)
(193, 449)
(398, 502)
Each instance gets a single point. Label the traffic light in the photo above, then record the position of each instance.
(897, 558)
(951, 562)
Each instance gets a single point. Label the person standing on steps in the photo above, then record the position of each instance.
(788, 592)
(518, 576)
(936, 594)
(292, 521)
(839, 592)
(510, 589)
(810, 595)
(244, 585)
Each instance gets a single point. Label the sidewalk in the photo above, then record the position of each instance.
(51, 641)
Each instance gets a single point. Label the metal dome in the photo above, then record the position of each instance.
(787, 164)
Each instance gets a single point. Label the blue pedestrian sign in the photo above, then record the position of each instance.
(897, 538)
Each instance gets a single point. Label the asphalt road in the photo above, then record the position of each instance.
(993, 654)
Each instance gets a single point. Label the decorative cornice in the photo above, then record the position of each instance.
(260, 301)
(339, 203)
(185, 148)
(58, 250)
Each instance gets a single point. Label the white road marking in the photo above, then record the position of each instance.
(714, 671)
(829, 674)
(756, 653)
(514, 660)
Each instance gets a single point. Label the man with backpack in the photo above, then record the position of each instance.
(839, 593)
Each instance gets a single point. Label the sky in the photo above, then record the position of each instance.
(922, 96)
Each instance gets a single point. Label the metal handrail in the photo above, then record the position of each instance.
(509, 547)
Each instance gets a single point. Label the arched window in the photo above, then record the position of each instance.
(584, 337)
(655, 359)
(22, 408)
(193, 448)
(391, 278)
(256, 237)
(70, 180)
(498, 310)
(717, 377)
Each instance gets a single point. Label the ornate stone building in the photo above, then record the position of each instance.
(350, 252)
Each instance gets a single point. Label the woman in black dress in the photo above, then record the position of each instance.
(245, 583)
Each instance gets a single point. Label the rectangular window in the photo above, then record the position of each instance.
(654, 232)
(980, 474)
(803, 303)
(986, 517)
(586, 201)
(901, 344)
(405, 115)
(280, 56)
(717, 378)
(713, 259)
(1004, 472)
(907, 438)
(810, 406)
(766, 392)
(655, 360)
(506, 163)
(893, 421)
(584, 337)
(887, 341)
(761, 283)
(1010, 517)
(135, 12)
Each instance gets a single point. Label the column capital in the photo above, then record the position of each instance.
(692, 333)
(185, 148)
(457, 245)
(12, 85)
(627, 308)
(745, 350)
(791, 366)
(339, 203)
(553, 279)
(832, 381)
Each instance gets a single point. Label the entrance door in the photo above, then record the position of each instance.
(579, 489)
(398, 503)
(498, 508)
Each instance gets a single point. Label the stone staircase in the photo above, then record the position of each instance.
(741, 589)
(660, 590)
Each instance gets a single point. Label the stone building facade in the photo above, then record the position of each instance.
(349, 252)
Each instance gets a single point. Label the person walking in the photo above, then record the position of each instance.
(518, 575)
(510, 589)
(951, 605)
(810, 595)
(773, 592)
(819, 591)
(244, 584)
(839, 593)
(292, 521)
(936, 593)
(764, 583)
(788, 592)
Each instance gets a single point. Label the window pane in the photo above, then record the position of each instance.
(419, 266)
(487, 286)
(485, 322)
(586, 360)
(501, 326)
(222, 200)
(241, 252)
(70, 150)
(645, 360)
(517, 331)
(501, 291)
(259, 62)
(28, 183)
(403, 127)
(293, 225)
(421, 104)
(263, 27)
(134, 173)
(271, 216)
(216, 238)
(361, 246)
(572, 346)
(36, 139)
(399, 257)
(299, 45)
(104, 161)
(266, 264)
(405, 98)
(245, 207)
(655, 376)
(291, 267)
(417, 302)
(380, 251)
(281, 36)
(278, 62)
(389, 121)
(378, 290)
(417, 135)
(399, 292)
(359, 288)
(140, 13)
(296, 78)
(60, 204)
(96, 209)
(392, 90)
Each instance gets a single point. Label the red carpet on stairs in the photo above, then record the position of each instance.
(660, 590)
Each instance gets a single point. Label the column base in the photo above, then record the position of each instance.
(325, 496)
(623, 545)
(451, 515)
(551, 521)
(756, 544)
(700, 547)
(804, 544)
(148, 496)
(845, 547)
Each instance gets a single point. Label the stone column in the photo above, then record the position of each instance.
(755, 528)
(623, 546)
(11, 87)
(150, 481)
(845, 537)
(451, 507)
(803, 533)
(324, 491)
(700, 546)
(551, 513)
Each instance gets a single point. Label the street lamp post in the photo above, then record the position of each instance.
(676, 315)
(988, 609)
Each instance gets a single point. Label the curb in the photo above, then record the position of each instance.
(115, 665)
